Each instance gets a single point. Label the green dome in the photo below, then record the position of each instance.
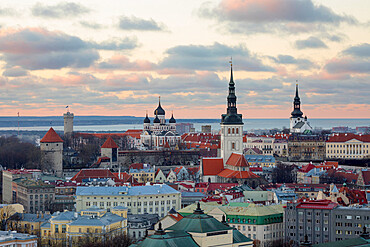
(199, 222)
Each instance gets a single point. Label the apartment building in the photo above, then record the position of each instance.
(324, 221)
(34, 195)
(348, 146)
(151, 199)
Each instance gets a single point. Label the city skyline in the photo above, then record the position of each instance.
(117, 58)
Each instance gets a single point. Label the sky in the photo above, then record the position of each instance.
(115, 58)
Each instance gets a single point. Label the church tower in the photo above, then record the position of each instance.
(231, 125)
(298, 123)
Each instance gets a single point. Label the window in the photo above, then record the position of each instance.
(349, 217)
(56, 229)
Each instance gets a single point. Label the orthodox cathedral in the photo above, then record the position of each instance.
(298, 123)
(159, 134)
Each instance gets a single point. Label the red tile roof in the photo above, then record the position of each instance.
(366, 176)
(212, 166)
(109, 143)
(221, 186)
(237, 160)
(227, 173)
(138, 166)
(193, 170)
(94, 173)
(318, 204)
(125, 177)
(178, 169)
(343, 137)
(307, 168)
(354, 196)
(51, 136)
(135, 133)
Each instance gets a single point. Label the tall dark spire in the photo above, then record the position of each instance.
(159, 111)
(297, 105)
(232, 116)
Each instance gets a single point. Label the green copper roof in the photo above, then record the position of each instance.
(170, 239)
(199, 223)
(238, 237)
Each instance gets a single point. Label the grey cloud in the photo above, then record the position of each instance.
(7, 12)
(60, 10)
(122, 44)
(348, 65)
(213, 57)
(15, 72)
(303, 64)
(41, 49)
(256, 16)
(311, 42)
(362, 50)
(134, 23)
(91, 25)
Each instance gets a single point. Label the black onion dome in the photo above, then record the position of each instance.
(172, 119)
(159, 110)
(156, 120)
(146, 119)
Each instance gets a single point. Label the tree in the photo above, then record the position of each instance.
(283, 173)
(15, 154)
(107, 240)
(6, 213)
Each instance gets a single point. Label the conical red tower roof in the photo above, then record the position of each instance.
(51, 136)
(109, 143)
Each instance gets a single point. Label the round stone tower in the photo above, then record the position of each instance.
(51, 146)
(68, 123)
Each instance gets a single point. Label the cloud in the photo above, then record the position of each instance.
(123, 62)
(60, 10)
(213, 57)
(311, 42)
(91, 25)
(362, 50)
(285, 15)
(36, 48)
(117, 44)
(303, 64)
(348, 65)
(134, 23)
(15, 72)
(7, 12)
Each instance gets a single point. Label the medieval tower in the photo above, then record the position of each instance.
(51, 146)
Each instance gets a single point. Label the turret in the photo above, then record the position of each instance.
(172, 122)
(146, 122)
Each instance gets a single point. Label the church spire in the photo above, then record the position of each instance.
(232, 116)
(297, 104)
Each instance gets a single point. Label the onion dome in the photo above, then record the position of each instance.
(159, 110)
(172, 119)
(146, 119)
(156, 119)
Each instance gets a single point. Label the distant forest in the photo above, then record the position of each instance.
(15, 154)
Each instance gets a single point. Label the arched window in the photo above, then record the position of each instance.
(228, 130)
(233, 130)
(237, 130)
